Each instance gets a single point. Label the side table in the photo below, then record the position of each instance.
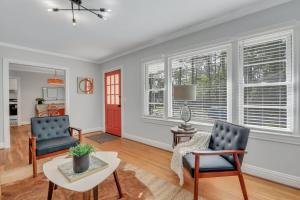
(86, 184)
(179, 133)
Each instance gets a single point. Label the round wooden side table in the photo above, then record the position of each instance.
(179, 133)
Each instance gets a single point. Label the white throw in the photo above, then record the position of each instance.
(199, 141)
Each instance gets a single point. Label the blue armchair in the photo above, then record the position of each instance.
(50, 136)
(224, 157)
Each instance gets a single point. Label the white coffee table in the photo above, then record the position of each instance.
(86, 184)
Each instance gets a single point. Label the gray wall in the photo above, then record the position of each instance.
(267, 157)
(31, 84)
(84, 109)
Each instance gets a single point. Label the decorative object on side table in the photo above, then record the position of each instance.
(185, 93)
(81, 157)
(83, 163)
(40, 100)
(179, 133)
(85, 85)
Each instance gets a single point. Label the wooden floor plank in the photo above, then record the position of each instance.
(157, 162)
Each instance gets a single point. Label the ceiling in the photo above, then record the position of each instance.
(132, 24)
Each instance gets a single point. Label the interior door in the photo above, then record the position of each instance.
(113, 102)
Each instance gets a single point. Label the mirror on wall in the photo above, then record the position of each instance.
(85, 85)
(53, 93)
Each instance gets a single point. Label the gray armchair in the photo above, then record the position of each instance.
(50, 136)
(224, 157)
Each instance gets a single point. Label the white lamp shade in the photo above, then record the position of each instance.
(184, 92)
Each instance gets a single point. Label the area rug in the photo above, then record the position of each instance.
(102, 137)
(137, 184)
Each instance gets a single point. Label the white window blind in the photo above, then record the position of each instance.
(266, 82)
(154, 89)
(207, 70)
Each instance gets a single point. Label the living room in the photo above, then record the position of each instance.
(238, 60)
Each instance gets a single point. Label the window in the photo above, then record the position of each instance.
(266, 82)
(154, 89)
(208, 71)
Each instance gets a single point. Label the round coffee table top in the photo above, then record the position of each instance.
(178, 130)
(87, 183)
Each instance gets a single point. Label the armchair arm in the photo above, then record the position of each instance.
(32, 143)
(74, 128)
(79, 132)
(221, 152)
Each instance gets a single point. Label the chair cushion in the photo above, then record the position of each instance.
(213, 163)
(45, 128)
(55, 144)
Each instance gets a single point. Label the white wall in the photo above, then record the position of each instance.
(270, 156)
(31, 84)
(84, 109)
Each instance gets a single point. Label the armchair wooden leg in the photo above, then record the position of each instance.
(240, 175)
(30, 156)
(196, 177)
(243, 186)
(34, 165)
(29, 152)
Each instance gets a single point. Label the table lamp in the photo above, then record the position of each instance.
(185, 93)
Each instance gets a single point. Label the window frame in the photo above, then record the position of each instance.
(265, 37)
(203, 51)
(233, 84)
(146, 90)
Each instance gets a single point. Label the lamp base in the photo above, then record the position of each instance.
(186, 127)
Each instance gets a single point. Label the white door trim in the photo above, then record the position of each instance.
(122, 97)
(5, 95)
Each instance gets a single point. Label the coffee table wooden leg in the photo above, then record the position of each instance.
(50, 190)
(87, 195)
(95, 192)
(118, 184)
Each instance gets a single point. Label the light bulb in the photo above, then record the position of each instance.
(50, 9)
(74, 22)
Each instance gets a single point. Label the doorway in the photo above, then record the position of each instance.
(7, 63)
(113, 113)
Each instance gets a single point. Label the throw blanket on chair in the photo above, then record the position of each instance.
(199, 141)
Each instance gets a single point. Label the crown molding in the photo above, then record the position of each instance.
(50, 53)
(198, 27)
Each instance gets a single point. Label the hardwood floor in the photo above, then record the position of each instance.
(156, 161)
(17, 155)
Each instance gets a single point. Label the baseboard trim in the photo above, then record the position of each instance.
(90, 130)
(147, 141)
(24, 123)
(2, 146)
(275, 176)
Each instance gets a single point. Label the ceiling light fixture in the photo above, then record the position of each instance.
(101, 12)
(55, 80)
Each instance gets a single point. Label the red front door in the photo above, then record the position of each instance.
(113, 102)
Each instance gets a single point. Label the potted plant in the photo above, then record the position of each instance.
(81, 157)
(40, 100)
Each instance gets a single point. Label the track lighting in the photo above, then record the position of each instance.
(101, 12)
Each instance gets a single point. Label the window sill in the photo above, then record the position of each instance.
(267, 135)
(175, 122)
